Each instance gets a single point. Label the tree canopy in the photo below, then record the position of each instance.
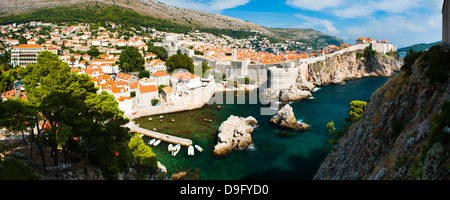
(131, 59)
(179, 62)
(63, 105)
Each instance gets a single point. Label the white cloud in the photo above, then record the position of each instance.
(365, 8)
(311, 22)
(313, 4)
(213, 6)
(329, 26)
(398, 28)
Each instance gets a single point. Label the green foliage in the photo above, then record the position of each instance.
(368, 52)
(160, 87)
(7, 79)
(179, 62)
(204, 68)
(356, 110)
(131, 59)
(418, 47)
(160, 52)
(12, 169)
(144, 74)
(132, 93)
(409, 60)
(198, 53)
(438, 63)
(155, 101)
(69, 103)
(143, 156)
(117, 15)
(93, 51)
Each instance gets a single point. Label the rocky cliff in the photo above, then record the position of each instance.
(404, 132)
(352, 65)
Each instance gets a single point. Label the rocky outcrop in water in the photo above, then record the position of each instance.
(234, 133)
(352, 65)
(393, 138)
(294, 94)
(285, 118)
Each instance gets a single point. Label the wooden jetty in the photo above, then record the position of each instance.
(160, 136)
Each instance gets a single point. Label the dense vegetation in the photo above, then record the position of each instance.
(131, 60)
(127, 18)
(67, 113)
(435, 62)
(418, 47)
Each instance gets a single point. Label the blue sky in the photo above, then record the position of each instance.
(402, 22)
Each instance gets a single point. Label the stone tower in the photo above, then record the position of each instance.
(445, 22)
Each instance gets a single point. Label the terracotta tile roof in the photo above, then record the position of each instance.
(28, 46)
(148, 88)
(118, 89)
(184, 75)
(122, 98)
(160, 74)
(124, 76)
(169, 90)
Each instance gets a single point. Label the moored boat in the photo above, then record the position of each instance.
(199, 148)
(152, 141)
(156, 143)
(190, 150)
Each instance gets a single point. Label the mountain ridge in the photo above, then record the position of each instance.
(186, 17)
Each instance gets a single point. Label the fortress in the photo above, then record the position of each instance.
(276, 76)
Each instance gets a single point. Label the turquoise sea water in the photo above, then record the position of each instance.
(292, 155)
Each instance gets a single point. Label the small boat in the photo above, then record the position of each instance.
(156, 143)
(190, 150)
(170, 148)
(198, 148)
(176, 149)
(152, 141)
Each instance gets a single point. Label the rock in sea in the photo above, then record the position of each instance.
(234, 133)
(285, 118)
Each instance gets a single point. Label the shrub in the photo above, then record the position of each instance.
(155, 101)
(409, 60)
(438, 63)
(368, 52)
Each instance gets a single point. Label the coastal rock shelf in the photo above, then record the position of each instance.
(235, 132)
(285, 118)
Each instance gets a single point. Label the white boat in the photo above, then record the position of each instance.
(190, 150)
(156, 143)
(152, 141)
(176, 149)
(199, 148)
(170, 148)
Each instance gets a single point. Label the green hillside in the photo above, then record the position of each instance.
(418, 47)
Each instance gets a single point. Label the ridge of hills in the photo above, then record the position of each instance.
(187, 18)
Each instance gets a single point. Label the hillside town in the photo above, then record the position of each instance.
(95, 50)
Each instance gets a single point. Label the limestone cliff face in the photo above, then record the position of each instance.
(352, 65)
(387, 141)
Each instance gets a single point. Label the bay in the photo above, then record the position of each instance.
(277, 154)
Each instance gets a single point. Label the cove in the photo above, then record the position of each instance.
(277, 154)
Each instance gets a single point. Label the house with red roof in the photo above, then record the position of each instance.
(161, 78)
(145, 94)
